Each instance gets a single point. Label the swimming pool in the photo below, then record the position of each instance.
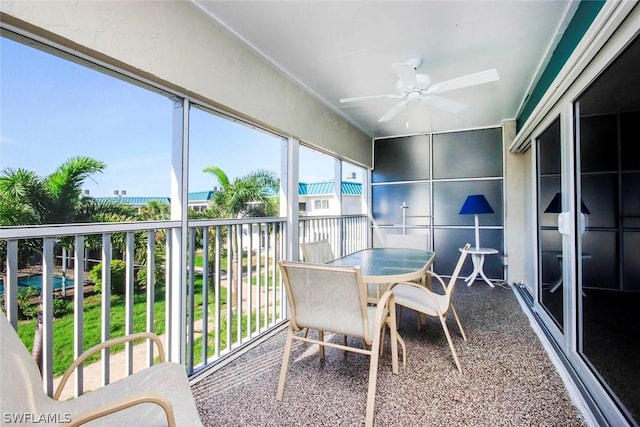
(36, 281)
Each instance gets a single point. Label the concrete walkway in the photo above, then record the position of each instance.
(92, 373)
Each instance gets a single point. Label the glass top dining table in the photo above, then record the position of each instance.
(389, 265)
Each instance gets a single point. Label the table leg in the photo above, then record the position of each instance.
(472, 277)
(478, 263)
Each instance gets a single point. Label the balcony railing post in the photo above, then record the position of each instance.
(129, 289)
(11, 283)
(47, 314)
(106, 304)
(78, 312)
(151, 290)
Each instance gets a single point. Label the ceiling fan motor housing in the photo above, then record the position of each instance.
(423, 83)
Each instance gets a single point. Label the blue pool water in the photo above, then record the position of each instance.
(36, 281)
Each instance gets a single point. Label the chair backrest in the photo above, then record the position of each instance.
(21, 390)
(327, 298)
(318, 252)
(456, 271)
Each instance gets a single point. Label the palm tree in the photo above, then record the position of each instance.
(28, 199)
(154, 210)
(247, 196)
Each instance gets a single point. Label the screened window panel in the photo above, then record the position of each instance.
(414, 237)
(387, 202)
(447, 244)
(401, 159)
(450, 196)
(468, 154)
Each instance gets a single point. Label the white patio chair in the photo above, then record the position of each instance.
(424, 300)
(156, 396)
(318, 252)
(334, 299)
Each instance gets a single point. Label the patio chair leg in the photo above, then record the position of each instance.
(321, 339)
(373, 377)
(455, 314)
(382, 338)
(453, 350)
(285, 364)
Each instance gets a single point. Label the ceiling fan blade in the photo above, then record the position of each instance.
(406, 72)
(482, 77)
(445, 104)
(393, 111)
(365, 98)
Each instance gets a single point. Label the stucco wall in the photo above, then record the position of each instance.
(517, 234)
(174, 44)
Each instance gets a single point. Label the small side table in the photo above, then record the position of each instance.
(477, 257)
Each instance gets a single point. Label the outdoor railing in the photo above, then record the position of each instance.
(232, 291)
(347, 233)
(238, 283)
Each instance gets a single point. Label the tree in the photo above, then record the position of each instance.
(247, 196)
(28, 199)
(154, 210)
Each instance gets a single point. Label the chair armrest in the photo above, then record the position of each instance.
(439, 278)
(424, 289)
(125, 403)
(98, 347)
(386, 301)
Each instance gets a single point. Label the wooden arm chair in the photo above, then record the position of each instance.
(423, 300)
(334, 299)
(156, 396)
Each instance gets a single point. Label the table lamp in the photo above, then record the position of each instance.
(474, 205)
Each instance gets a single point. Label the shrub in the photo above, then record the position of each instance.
(61, 307)
(141, 276)
(118, 268)
(28, 302)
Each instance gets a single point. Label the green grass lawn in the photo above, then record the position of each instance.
(63, 326)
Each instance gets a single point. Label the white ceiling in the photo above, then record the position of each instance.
(340, 49)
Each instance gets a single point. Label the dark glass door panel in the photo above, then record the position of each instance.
(608, 172)
(550, 265)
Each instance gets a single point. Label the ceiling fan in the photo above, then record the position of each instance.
(412, 86)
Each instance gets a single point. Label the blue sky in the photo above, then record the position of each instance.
(53, 109)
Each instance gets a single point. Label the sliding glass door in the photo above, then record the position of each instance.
(607, 123)
(550, 271)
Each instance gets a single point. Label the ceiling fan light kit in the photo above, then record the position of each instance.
(412, 86)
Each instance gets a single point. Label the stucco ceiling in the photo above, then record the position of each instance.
(341, 49)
